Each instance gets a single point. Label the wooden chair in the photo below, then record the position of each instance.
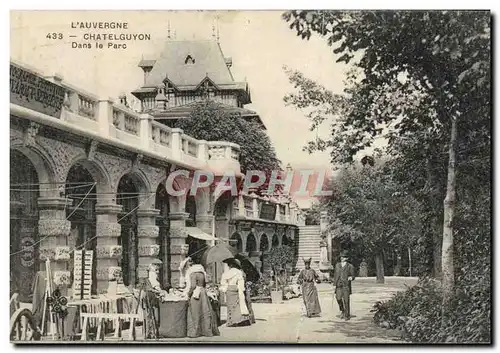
(102, 318)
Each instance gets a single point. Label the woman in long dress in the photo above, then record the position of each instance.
(248, 299)
(201, 318)
(150, 289)
(233, 284)
(307, 279)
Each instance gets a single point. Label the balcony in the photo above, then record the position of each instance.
(106, 121)
(250, 207)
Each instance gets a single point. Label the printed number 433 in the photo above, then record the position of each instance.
(54, 36)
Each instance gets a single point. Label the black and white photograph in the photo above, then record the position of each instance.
(241, 176)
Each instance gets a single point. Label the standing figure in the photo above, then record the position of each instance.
(201, 318)
(343, 276)
(233, 284)
(307, 279)
(150, 290)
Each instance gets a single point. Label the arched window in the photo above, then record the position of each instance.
(251, 243)
(189, 60)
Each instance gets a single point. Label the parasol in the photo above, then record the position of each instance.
(252, 275)
(217, 253)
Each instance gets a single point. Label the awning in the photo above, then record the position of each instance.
(197, 233)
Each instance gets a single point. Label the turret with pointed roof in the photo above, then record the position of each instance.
(187, 72)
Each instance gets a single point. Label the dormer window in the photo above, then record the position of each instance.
(189, 60)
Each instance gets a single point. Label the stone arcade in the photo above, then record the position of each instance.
(90, 173)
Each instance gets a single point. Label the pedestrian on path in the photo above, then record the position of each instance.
(343, 276)
(307, 279)
(233, 284)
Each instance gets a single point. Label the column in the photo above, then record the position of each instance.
(178, 247)
(104, 116)
(176, 143)
(255, 208)
(145, 132)
(325, 243)
(53, 230)
(241, 206)
(108, 252)
(148, 247)
(323, 226)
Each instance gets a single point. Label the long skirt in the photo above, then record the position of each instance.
(201, 318)
(311, 300)
(248, 301)
(234, 316)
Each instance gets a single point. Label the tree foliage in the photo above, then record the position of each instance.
(280, 256)
(413, 73)
(370, 209)
(209, 121)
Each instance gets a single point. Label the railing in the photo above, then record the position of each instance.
(87, 106)
(223, 150)
(189, 145)
(104, 119)
(126, 120)
(82, 104)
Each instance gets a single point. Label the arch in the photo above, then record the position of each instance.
(24, 194)
(139, 180)
(82, 213)
(98, 173)
(251, 243)
(223, 204)
(275, 241)
(43, 165)
(239, 241)
(162, 222)
(191, 208)
(128, 195)
(264, 243)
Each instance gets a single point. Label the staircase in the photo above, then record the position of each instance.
(309, 239)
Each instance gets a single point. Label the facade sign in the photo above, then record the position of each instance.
(34, 92)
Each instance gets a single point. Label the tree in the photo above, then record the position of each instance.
(280, 256)
(419, 75)
(208, 121)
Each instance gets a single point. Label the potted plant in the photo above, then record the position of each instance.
(278, 258)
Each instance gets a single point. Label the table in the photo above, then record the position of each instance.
(104, 303)
(173, 319)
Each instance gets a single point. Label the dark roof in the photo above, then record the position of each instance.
(208, 61)
(184, 111)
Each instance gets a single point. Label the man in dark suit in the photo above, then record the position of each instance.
(343, 276)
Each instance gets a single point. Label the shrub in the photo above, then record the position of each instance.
(261, 288)
(417, 312)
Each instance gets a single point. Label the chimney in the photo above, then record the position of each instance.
(161, 99)
(123, 99)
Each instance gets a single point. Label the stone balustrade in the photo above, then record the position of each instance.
(85, 113)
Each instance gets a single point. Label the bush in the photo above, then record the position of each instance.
(417, 312)
(261, 288)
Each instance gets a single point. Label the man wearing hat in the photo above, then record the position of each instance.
(343, 276)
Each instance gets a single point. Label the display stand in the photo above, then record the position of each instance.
(82, 274)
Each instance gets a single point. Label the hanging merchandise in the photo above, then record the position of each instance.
(82, 274)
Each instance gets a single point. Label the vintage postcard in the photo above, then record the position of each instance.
(250, 177)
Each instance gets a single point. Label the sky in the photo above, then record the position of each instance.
(259, 42)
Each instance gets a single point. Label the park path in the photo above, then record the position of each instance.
(283, 323)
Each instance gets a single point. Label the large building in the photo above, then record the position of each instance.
(89, 173)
